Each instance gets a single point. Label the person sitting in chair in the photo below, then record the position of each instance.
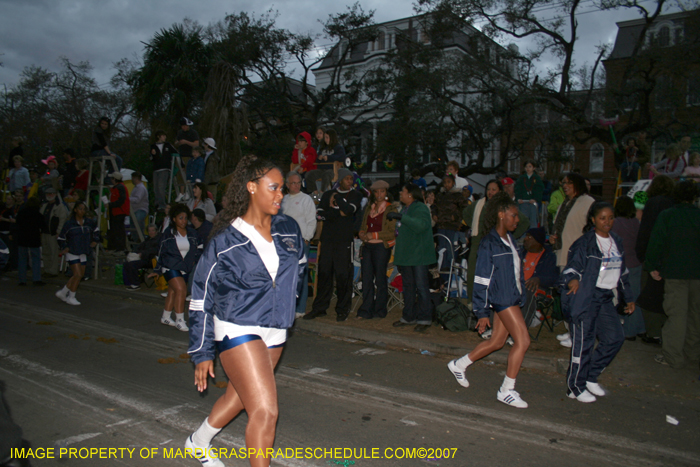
(539, 268)
(146, 251)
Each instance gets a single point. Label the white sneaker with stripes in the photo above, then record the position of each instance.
(203, 455)
(512, 398)
(459, 374)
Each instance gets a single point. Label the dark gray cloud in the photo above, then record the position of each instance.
(38, 32)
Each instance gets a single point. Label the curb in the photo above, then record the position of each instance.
(548, 364)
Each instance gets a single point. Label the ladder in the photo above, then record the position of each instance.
(623, 187)
(99, 169)
(178, 179)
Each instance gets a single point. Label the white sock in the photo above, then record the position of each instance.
(464, 362)
(71, 294)
(204, 434)
(166, 314)
(65, 290)
(179, 316)
(508, 383)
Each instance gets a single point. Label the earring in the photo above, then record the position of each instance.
(252, 192)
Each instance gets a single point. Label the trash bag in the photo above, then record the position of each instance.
(454, 316)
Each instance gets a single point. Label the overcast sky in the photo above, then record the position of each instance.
(38, 32)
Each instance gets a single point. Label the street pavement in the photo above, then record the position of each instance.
(107, 375)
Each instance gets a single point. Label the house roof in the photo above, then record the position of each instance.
(460, 39)
(629, 31)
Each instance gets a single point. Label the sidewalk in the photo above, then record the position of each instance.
(633, 367)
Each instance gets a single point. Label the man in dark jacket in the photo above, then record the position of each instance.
(539, 268)
(201, 225)
(70, 171)
(672, 254)
(162, 157)
(119, 208)
(337, 209)
(146, 251)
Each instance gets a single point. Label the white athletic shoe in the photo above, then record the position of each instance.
(72, 301)
(510, 341)
(164, 294)
(459, 374)
(180, 325)
(487, 334)
(188, 298)
(512, 398)
(596, 389)
(179, 197)
(585, 397)
(566, 343)
(564, 337)
(167, 321)
(62, 294)
(203, 455)
(298, 315)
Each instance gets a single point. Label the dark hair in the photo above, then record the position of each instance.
(178, 209)
(158, 134)
(75, 207)
(593, 211)
(500, 202)
(136, 174)
(415, 173)
(372, 199)
(685, 192)
(493, 180)
(450, 176)
(199, 150)
(333, 137)
(199, 214)
(203, 187)
(236, 198)
(661, 185)
(624, 207)
(415, 192)
(579, 183)
(454, 164)
(532, 162)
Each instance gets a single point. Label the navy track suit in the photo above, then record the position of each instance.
(169, 255)
(77, 238)
(591, 312)
(495, 283)
(232, 283)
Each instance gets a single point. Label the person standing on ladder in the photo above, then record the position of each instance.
(211, 167)
(119, 208)
(161, 156)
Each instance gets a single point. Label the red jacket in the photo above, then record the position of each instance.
(119, 200)
(308, 157)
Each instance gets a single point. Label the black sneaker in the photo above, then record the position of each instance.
(341, 317)
(314, 314)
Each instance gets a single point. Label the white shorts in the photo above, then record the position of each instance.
(75, 259)
(229, 335)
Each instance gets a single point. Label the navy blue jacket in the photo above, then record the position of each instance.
(546, 269)
(494, 280)
(77, 238)
(169, 256)
(233, 284)
(584, 263)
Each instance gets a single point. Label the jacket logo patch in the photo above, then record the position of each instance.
(291, 244)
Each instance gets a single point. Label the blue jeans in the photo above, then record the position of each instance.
(141, 220)
(375, 259)
(532, 213)
(24, 253)
(301, 300)
(102, 152)
(415, 282)
(160, 187)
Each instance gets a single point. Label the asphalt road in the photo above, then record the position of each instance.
(108, 375)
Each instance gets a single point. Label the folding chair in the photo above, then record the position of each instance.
(547, 305)
(395, 289)
(457, 267)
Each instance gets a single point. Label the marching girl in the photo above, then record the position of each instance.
(243, 301)
(499, 286)
(78, 235)
(594, 274)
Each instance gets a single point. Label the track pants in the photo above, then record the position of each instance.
(601, 321)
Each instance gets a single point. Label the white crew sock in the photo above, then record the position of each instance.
(64, 290)
(71, 294)
(179, 316)
(166, 314)
(508, 383)
(464, 362)
(204, 434)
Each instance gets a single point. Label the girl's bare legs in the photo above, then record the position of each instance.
(78, 273)
(250, 369)
(507, 322)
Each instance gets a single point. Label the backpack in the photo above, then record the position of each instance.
(454, 316)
